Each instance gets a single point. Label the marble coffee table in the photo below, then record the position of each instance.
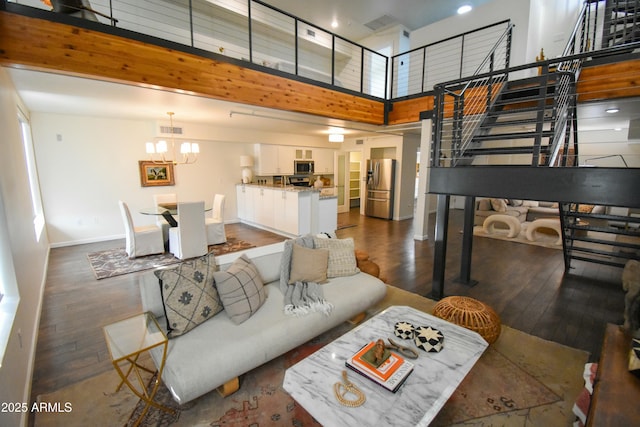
(434, 378)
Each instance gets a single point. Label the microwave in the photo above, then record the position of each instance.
(303, 167)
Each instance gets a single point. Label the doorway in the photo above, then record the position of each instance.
(348, 182)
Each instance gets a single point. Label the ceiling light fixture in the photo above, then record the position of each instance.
(612, 110)
(188, 150)
(336, 137)
(464, 9)
(334, 23)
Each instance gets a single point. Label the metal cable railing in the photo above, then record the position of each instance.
(252, 31)
(473, 100)
(420, 69)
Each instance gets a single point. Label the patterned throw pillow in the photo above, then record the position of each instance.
(189, 296)
(241, 289)
(342, 257)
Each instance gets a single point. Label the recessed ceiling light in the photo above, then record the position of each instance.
(334, 23)
(464, 9)
(617, 129)
(612, 110)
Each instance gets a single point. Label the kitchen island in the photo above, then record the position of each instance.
(289, 210)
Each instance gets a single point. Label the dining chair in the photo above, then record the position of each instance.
(189, 238)
(141, 240)
(215, 224)
(162, 222)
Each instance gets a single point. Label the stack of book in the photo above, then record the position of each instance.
(390, 373)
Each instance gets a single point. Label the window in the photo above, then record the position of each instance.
(9, 296)
(36, 201)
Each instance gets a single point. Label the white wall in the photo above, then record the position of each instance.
(538, 24)
(29, 257)
(86, 164)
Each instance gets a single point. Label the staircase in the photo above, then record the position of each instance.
(610, 238)
(532, 122)
(520, 126)
(621, 22)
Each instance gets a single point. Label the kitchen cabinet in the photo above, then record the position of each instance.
(323, 160)
(287, 211)
(274, 159)
(263, 206)
(244, 197)
(304, 154)
(327, 214)
(288, 208)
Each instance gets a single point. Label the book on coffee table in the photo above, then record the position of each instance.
(390, 372)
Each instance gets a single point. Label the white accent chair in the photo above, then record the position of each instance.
(189, 238)
(159, 199)
(215, 224)
(141, 240)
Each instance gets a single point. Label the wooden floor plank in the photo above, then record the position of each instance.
(526, 285)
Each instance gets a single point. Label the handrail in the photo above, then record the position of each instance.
(467, 119)
(411, 70)
(230, 28)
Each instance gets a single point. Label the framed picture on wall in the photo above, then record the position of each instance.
(156, 174)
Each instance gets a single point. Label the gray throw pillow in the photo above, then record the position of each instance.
(189, 295)
(241, 289)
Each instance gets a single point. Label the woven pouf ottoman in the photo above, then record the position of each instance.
(471, 314)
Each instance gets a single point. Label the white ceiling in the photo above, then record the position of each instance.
(353, 15)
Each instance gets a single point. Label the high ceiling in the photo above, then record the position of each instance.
(356, 18)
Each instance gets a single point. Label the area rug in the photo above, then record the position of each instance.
(521, 380)
(114, 262)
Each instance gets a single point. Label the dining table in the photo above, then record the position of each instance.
(167, 211)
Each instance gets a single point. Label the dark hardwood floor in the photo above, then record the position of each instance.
(525, 284)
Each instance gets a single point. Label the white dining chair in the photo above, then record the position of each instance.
(215, 224)
(189, 238)
(141, 240)
(159, 199)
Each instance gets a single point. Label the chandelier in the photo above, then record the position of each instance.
(189, 151)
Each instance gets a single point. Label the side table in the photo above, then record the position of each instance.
(127, 340)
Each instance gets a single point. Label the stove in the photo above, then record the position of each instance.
(300, 180)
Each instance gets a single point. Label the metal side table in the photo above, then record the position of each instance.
(127, 340)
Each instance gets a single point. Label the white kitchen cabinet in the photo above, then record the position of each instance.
(323, 160)
(304, 154)
(285, 210)
(263, 206)
(274, 159)
(327, 214)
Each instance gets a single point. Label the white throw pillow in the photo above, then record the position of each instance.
(342, 257)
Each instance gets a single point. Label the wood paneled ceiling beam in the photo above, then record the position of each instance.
(44, 45)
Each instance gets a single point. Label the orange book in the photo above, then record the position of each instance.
(364, 359)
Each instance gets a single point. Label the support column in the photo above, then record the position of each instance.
(440, 252)
(467, 242)
(421, 217)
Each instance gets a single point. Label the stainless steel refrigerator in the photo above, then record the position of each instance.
(381, 175)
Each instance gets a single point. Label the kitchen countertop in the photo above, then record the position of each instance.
(294, 188)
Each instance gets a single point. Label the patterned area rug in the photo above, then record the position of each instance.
(520, 380)
(114, 262)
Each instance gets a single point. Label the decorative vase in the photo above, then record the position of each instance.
(247, 175)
